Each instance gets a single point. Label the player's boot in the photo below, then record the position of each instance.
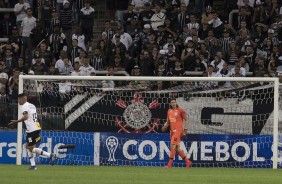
(32, 168)
(52, 159)
(188, 164)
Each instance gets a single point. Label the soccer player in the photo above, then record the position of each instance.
(33, 130)
(176, 116)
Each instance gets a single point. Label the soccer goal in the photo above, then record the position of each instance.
(117, 120)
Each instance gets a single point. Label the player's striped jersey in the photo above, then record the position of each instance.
(31, 123)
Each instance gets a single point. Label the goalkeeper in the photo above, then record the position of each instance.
(176, 116)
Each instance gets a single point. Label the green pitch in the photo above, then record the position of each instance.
(10, 174)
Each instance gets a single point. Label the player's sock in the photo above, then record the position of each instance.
(41, 152)
(183, 156)
(31, 158)
(171, 157)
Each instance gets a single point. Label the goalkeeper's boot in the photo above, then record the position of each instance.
(52, 159)
(32, 168)
(168, 166)
(188, 164)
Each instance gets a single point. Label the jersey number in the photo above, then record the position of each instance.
(29, 139)
(34, 117)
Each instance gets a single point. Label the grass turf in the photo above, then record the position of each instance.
(10, 174)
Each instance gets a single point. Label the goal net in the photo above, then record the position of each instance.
(117, 120)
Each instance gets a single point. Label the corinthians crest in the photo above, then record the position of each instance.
(137, 116)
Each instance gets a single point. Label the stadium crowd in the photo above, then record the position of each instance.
(153, 38)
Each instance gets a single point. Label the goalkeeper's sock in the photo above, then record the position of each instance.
(171, 157)
(41, 152)
(31, 158)
(183, 156)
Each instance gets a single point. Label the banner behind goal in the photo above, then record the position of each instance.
(228, 109)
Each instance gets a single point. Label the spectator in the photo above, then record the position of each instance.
(74, 51)
(13, 84)
(36, 54)
(225, 41)
(28, 23)
(138, 5)
(111, 7)
(66, 68)
(133, 28)
(158, 18)
(15, 41)
(193, 24)
(182, 18)
(147, 65)
(3, 75)
(6, 26)
(260, 70)
(206, 17)
(52, 70)
(129, 63)
(160, 70)
(197, 66)
(79, 59)
(216, 25)
(21, 66)
(125, 38)
(59, 5)
(44, 13)
(118, 66)
(80, 37)
(55, 20)
(87, 20)
(237, 72)
(46, 54)
(20, 10)
(246, 13)
(39, 68)
(140, 39)
(108, 30)
(188, 55)
(271, 36)
(146, 15)
(232, 54)
(121, 9)
(177, 70)
(78, 4)
(98, 62)
(66, 21)
(57, 41)
(272, 67)
(9, 59)
(218, 62)
(38, 34)
(136, 71)
(151, 43)
(76, 71)
(86, 69)
(127, 16)
(117, 44)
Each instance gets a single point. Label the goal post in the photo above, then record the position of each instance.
(191, 80)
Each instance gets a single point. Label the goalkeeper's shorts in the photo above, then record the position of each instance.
(175, 137)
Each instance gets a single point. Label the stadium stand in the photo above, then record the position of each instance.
(153, 37)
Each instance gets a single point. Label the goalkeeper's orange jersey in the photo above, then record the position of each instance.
(176, 117)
